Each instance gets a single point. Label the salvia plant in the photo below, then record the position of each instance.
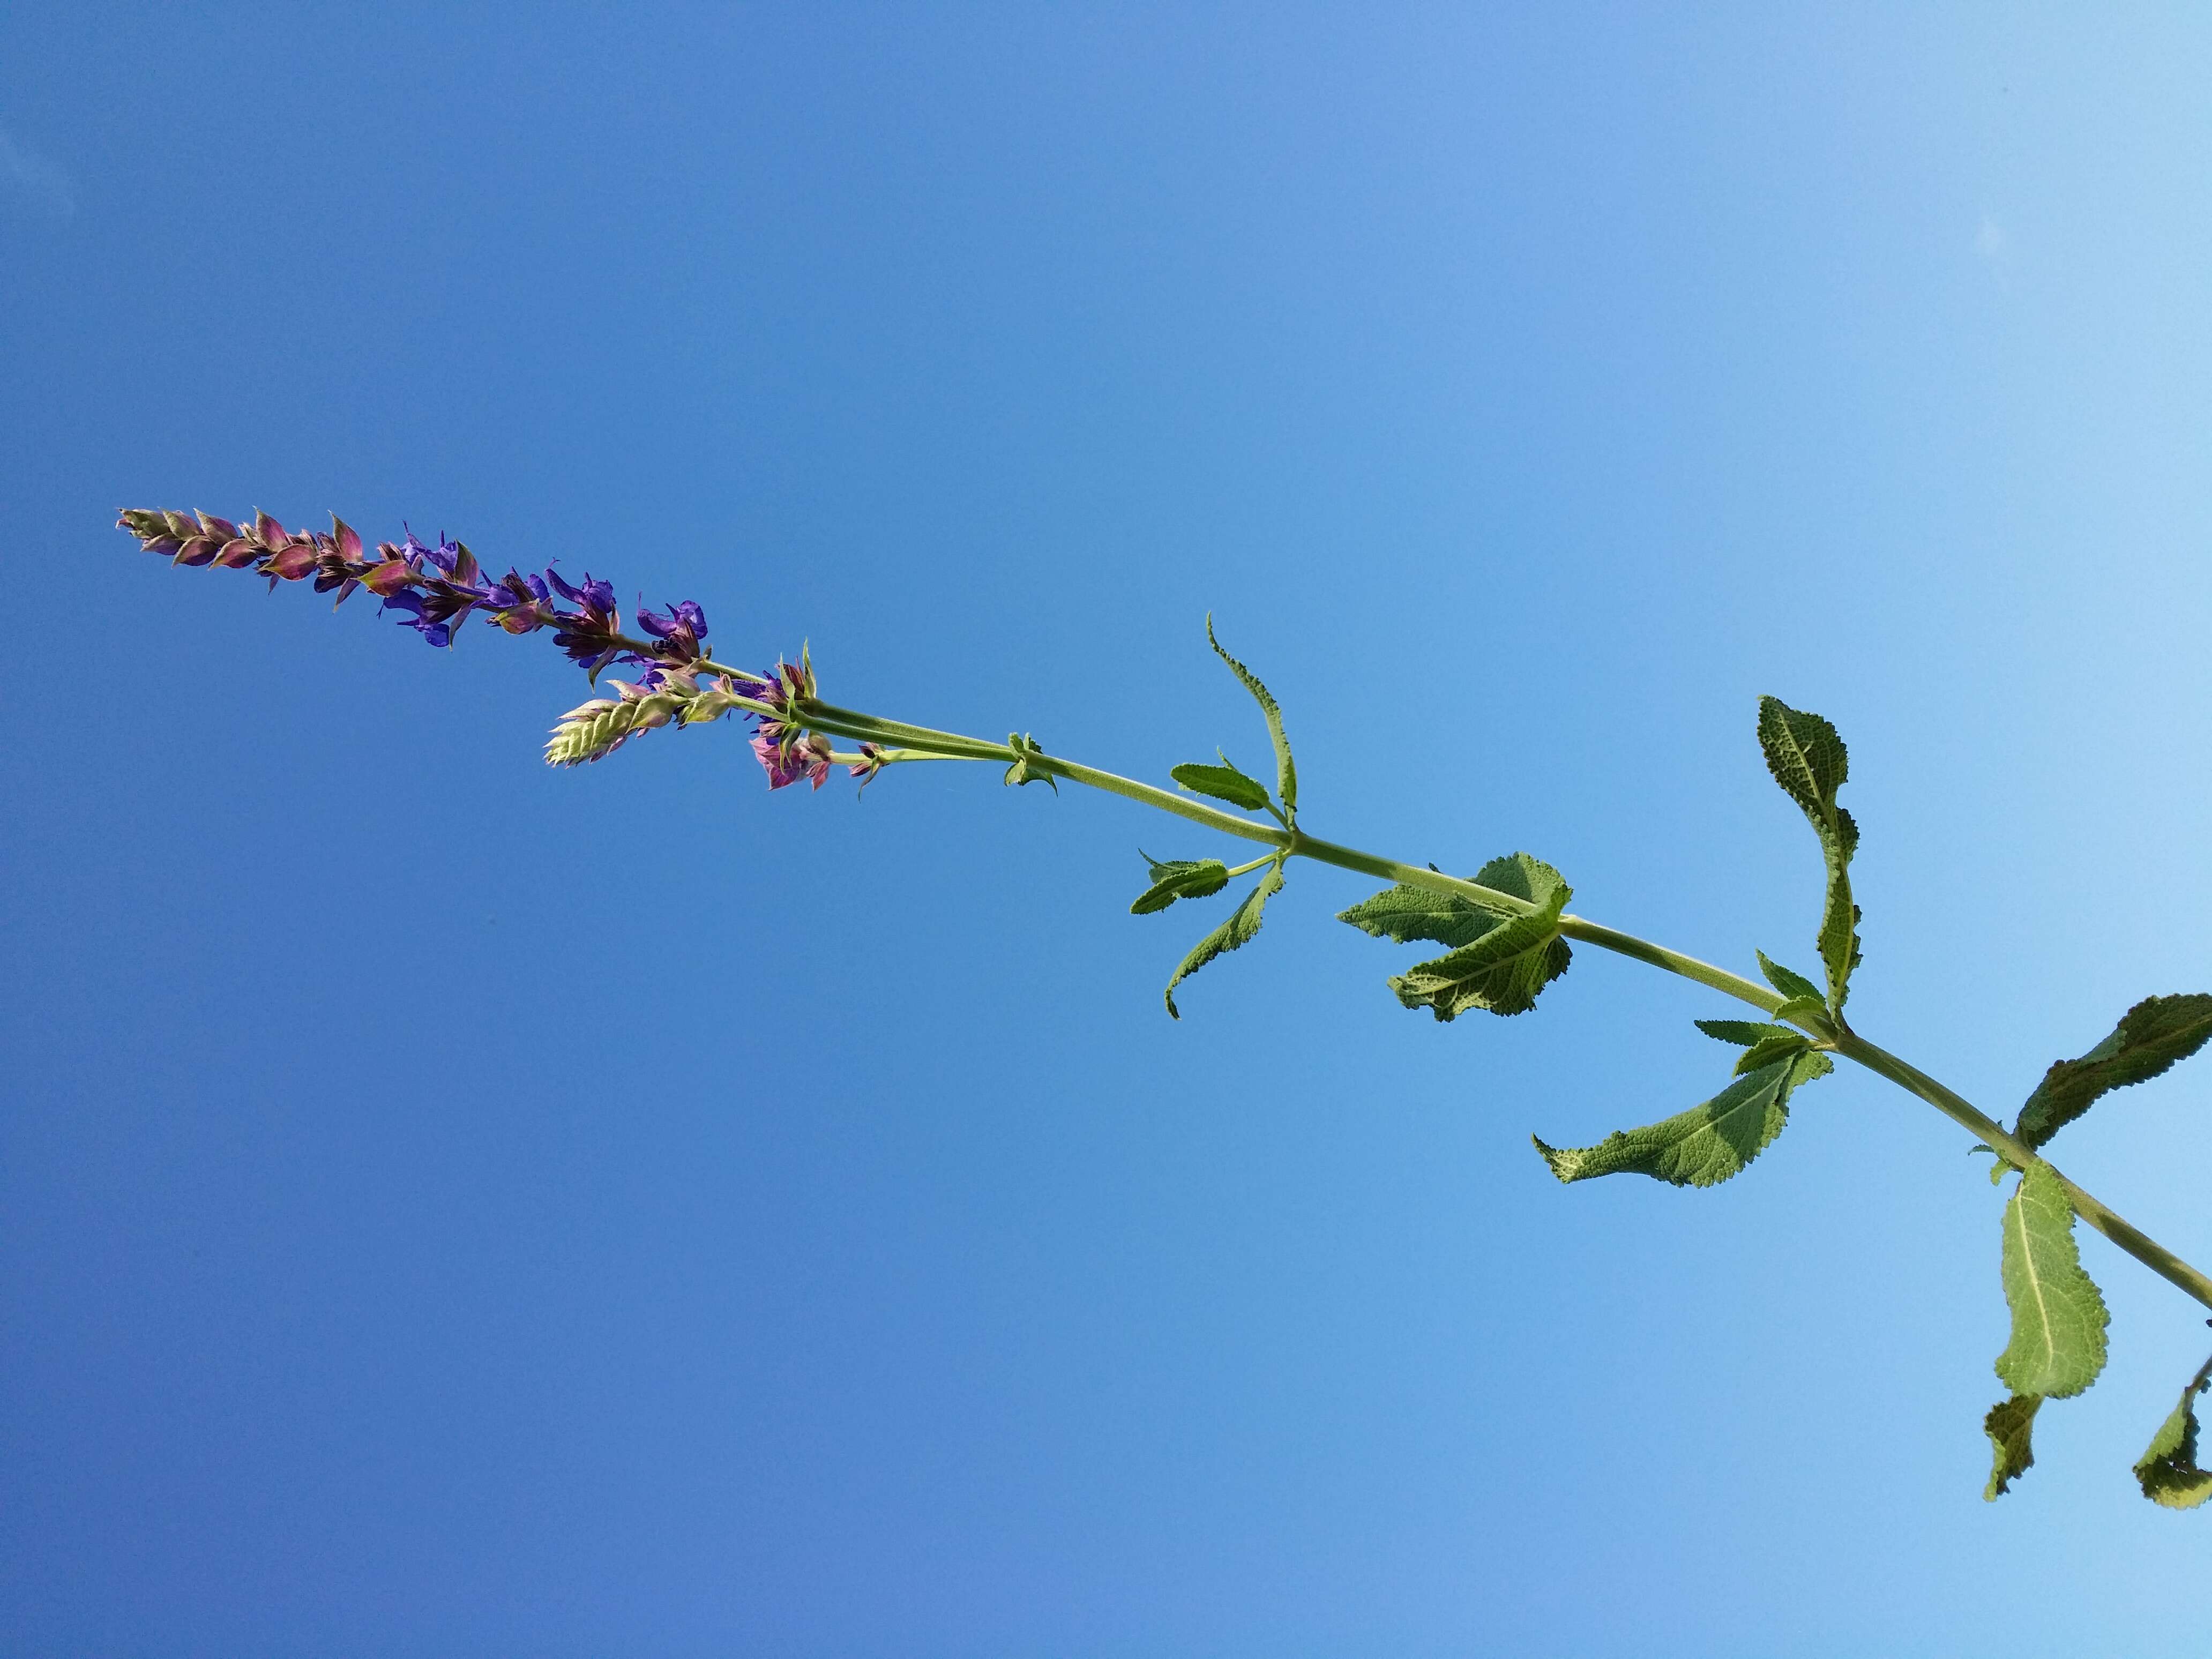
(1500, 936)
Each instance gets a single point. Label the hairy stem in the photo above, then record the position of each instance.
(1295, 843)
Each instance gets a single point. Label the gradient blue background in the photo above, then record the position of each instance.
(448, 1206)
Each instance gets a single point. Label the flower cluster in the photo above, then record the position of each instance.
(785, 751)
(434, 589)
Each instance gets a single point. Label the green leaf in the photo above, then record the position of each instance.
(2150, 1037)
(1405, 913)
(2058, 1316)
(1703, 1146)
(1223, 782)
(2009, 1425)
(1808, 761)
(1503, 969)
(1524, 876)
(1286, 773)
(1791, 984)
(1744, 1033)
(2167, 1470)
(1179, 878)
(1243, 922)
(1786, 1045)
(1500, 958)
(1811, 1011)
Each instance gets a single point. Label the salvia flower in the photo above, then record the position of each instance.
(678, 630)
(333, 557)
(519, 603)
(788, 755)
(440, 587)
(434, 587)
(872, 760)
(785, 751)
(590, 633)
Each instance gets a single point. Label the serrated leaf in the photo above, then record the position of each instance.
(1405, 913)
(1811, 1012)
(2168, 1471)
(1807, 758)
(1287, 772)
(2010, 1425)
(1787, 1045)
(1503, 969)
(1744, 1033)
(2151, 1037)
(1525, 876)
(1179, 878)
(1223, 782)
(1703, 1146)
(2058, 1316)
(1243, 922)
(1789, 983)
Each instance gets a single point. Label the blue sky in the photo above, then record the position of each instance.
(450, 1207)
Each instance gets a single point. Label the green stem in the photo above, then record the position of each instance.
(1294, 842)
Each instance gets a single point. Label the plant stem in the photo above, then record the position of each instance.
(1295, 843)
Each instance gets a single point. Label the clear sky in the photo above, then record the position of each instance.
(449, 1207)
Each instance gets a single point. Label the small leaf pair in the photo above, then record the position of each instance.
(1227, 781)
(1199, 878)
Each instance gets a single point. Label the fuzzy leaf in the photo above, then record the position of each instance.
(1787, 1045)
(1405, 914)
(1507, 968)
(2058, 1316)
(1286, 773)
(2167, 1470)
(1503, 967)
(1703, 1146)
(1810, 1013)
(1743, 1032)
(1524, 876)
(1790, 983)
(1223, 782)
(2010, 1425)
(1243, 922)
(1179, 878)
(1808, 759)
(2150, 1037)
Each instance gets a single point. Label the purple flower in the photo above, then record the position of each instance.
(787, 685)
(786, 757)
(519, 603)
(448, 557)
(434, 587)
(592, 633)
(679, 630)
